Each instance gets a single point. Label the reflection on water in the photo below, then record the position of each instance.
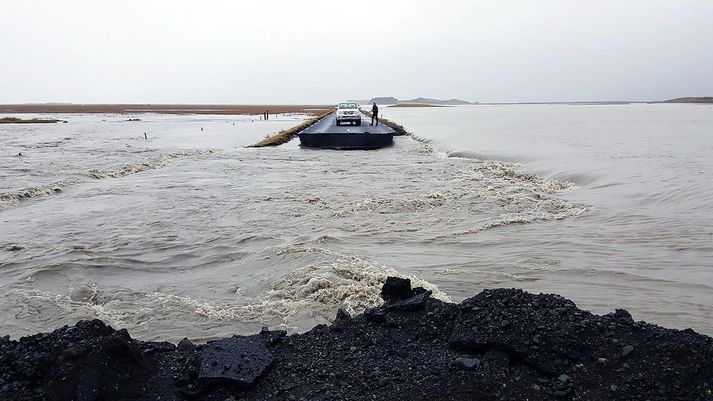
(190, 234)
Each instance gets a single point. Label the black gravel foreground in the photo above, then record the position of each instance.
(502, 344)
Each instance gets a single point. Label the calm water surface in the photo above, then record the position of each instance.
(191, 234)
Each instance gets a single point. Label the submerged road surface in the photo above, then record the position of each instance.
(328, 125)
(326, 134)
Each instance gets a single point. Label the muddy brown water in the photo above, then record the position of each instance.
(189, 233)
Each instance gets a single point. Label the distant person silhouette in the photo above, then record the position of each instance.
(374, 114)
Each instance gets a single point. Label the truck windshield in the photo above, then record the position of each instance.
(347, 105)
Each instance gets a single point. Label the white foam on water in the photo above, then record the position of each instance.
(393, 205)
(13, 199)
(482, 195)
(492, 170)
(296, 301)
(524, 211)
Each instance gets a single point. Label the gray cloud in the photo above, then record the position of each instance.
(168, 51)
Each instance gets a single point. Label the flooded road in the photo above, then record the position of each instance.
(189, 233)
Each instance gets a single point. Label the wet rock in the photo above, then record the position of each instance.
(153, 347)
(497, 363)
(399, 336)
(628, 349)
(412, 303)
(622, 316)
(74, 352)
(396, 288)
(235, 360)
(270, 337)
(467, 363)
(475, 345)
(377, 315)
(184, 345)
(343, 319)
(100, 369)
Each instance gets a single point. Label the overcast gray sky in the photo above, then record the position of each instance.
(228, 51)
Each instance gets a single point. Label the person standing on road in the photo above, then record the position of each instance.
(374, 114)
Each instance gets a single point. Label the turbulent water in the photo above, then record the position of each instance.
(189, 233)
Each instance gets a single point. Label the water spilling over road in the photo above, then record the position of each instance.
(189, 233)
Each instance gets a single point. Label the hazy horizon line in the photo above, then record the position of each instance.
(337, 101)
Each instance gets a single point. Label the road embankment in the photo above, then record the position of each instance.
(15, 120)
(286, 135)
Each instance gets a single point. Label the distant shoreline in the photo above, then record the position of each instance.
(161, 109)
(695, 100)
(14, 120)
(601, 103)
(705, 99)
(314, 110)
(416, 105)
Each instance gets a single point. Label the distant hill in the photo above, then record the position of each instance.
(383, 100)
(388, 100)
(705, 99)
(416, 105)
(425, 100)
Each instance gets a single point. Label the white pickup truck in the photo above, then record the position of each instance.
(348, 112)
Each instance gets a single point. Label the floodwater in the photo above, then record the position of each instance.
(190, 234)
